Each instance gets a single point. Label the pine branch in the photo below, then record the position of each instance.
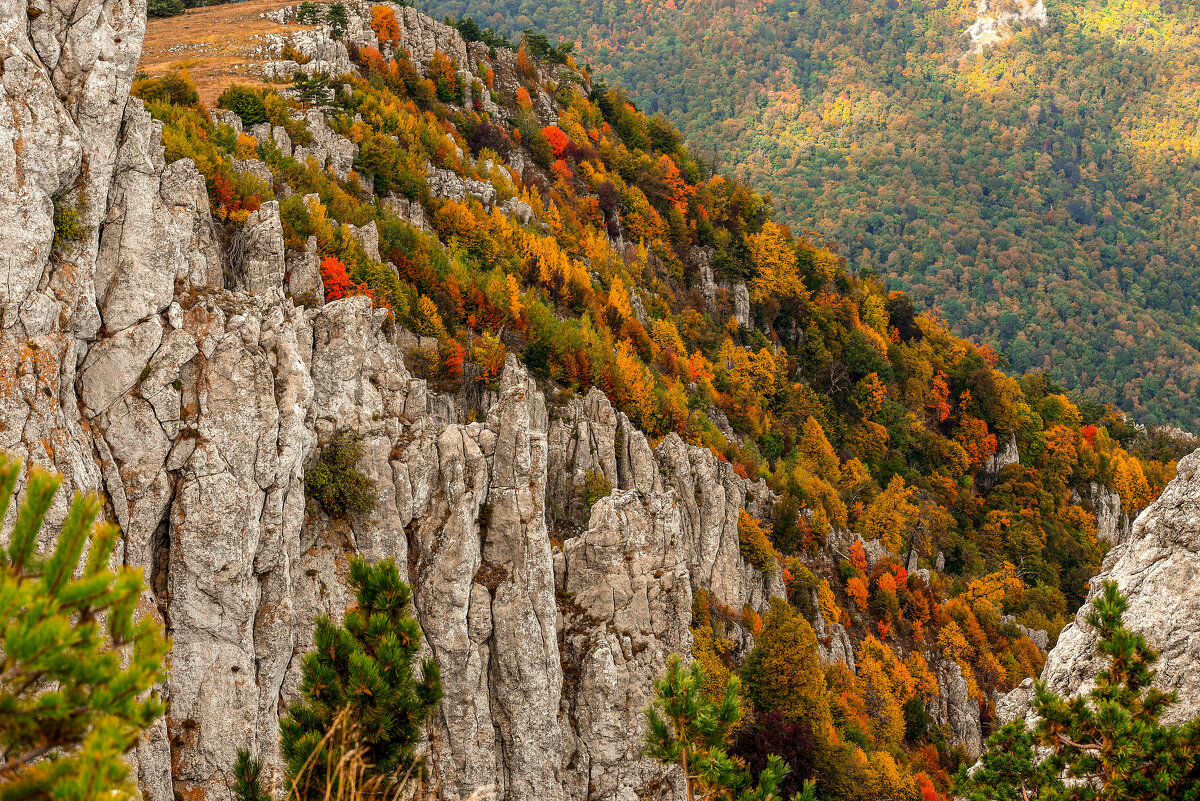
(1081, 746)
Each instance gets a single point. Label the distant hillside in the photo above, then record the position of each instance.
(1035, 185)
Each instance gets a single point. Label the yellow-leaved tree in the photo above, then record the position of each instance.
(775, 256)
(817, 454)
(891, 515)
(782, 672)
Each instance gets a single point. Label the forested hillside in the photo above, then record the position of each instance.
(1039, 193)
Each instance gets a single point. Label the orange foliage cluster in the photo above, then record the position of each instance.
(383, 22)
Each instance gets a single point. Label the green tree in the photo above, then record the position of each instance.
(783, 673)
(244, 101)
(164, 8)
(1112, 739)
(335, 15)
(361, 701)
(247, 778)
(308, 13)
(687, 730)
(312, 88)
(76, 661)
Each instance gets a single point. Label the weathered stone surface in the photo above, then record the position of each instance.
(411, 212)
(330, 150)
(1158, 569)
(254, 168)
(629, 594)
(710, 496)
(990, 471)
(447, 184)
(519, 209)
(582, 442)
(222, 116)
(368, 237)
(954, 707)
(1112, 525)
(263, 262)
(158, 230)
(304, 281)
(840, 648)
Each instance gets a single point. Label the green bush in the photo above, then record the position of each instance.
(336, 16)
(176, 88)
(336, 483)
(308, 13)
(366, 697)
(245, 102)
(69, 226)
(595, 486)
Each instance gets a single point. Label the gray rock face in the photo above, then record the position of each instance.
(263, 263)
(368, 237)
(1112, 525)
(84, 53)
(128, 364)
(411, 212)
(1158, 569)
(447, 184)
(840, 648)
(954, 707)
(629, 607)
(1039, 637)
(990, 471)
(157, 232)
(304, 281)
(330, 150)
(519, 209)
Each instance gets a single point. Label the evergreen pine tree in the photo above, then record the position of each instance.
(687, 730)
(76, 661)
(1110, 744)
(247, 778)
(336, 16)
(361, 712)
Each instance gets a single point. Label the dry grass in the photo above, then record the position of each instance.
(217, 44)
(351, 780)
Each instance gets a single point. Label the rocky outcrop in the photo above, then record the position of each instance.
(733, 293)
(203, 391)
(330, 150)
(1112, 525)
(262, 267)
(993, 24)
(989, 472)
(553, 556)
(447, 184)
(627, 606)
(304, 281)
(1158, 569)
(955, 708)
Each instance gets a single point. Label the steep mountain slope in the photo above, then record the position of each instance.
(1038, 192)
(585, 454)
